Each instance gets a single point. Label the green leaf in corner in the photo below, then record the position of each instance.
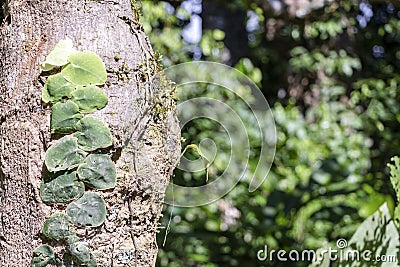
(98, 171)
(59, 55)
(89, 98)
(42, 256)
(377, 234)
(60, 188)
(89, 210)
(92, 134)
(64, 154)
(395, 175)
(395, 180)
(85, 68)
(57, 88)
(64, 117)
(57, 227)
(377, 237)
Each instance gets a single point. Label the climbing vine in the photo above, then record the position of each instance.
(77, 160)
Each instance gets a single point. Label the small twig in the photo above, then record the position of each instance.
(205, 160)
(170, 218)
(112, 255)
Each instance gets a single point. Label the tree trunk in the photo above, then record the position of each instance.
(142, 121)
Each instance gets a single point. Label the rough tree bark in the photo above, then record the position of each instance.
(142, 121)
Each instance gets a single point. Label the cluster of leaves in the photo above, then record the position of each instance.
(74, 161)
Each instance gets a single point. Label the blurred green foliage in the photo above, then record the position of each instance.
(331, 75)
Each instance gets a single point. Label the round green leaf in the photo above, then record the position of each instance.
(80, 252)
(64, 154)
(56, 88)
(47, 67)
(89, 98)
(57, 227)
(59, 55)
(92, 262)
(64, 117)
(42, 256)
(85, 68)
(98, 171)
(92, 134)
(89, 210)
(60, 188)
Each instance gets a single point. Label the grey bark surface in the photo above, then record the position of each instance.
(142, 120)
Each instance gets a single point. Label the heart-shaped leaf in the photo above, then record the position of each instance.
(98, 171)
(64, 117)
(57, 227)
(60, 188)
(59, 55)
(92, 262)
(42, 256)
(56, 88)
(81, 254)
(92, 134)
(89, 210)
(64, 154)
(85, 68)
(89, 98)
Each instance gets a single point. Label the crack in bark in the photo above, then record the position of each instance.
(4, 14)
(2, 179)
(131, 228)
(135, 27)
